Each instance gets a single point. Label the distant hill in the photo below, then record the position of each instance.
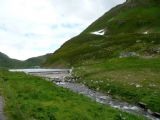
(130, 27)
(35, 61)
(7, 62)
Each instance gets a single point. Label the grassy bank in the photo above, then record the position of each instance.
(32, 98)
(131, 79)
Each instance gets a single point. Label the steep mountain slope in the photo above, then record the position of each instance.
(119, 53)
(6, 62)
(126, 27)
(134, 16)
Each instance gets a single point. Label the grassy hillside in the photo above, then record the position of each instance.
(132, 26)
(33, 98)
(83, 48)
(6, 62)
(124, 62)
(130, 79)
(35, 61)
(134, 16)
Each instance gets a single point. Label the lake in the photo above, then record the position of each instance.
(39, 70)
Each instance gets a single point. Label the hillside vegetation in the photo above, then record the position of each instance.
(123, 59)
(7, 62)
(132, 26)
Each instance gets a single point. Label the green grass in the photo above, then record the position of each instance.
(130, 79)
(33, 98)
(91, 47)
(129, 18)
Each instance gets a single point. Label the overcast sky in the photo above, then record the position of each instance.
(35, 27)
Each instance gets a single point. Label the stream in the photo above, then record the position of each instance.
(57, 76)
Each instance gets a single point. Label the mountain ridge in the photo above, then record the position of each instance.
(7, 62)
(126, 22)
(119, 16)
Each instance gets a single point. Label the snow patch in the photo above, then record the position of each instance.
(138, 86)
(146, 32)
(100, 32)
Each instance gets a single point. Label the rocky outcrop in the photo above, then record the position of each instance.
(128, 54)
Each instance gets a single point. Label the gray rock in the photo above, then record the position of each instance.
(149, 111)
(153, 51)
(156, 114)
(142, 105)
(127, 54)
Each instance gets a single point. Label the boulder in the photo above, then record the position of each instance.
(156, 114)
(127, 54)
(142, 105)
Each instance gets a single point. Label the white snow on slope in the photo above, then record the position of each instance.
(146, 32)
(100, 32)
